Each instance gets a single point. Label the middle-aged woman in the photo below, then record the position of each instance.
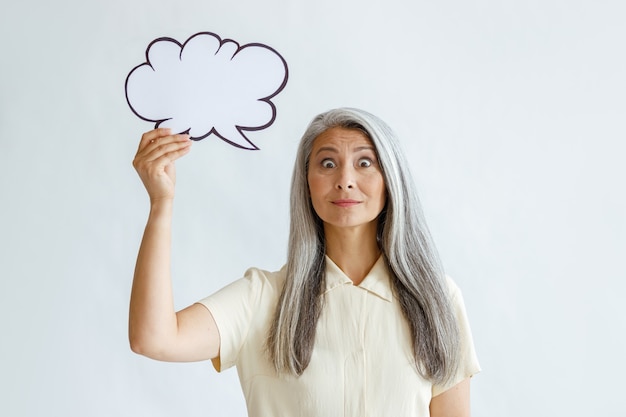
(361, 321)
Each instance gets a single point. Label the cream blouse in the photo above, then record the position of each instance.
(362, 362)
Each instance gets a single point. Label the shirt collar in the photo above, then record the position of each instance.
(377, 281)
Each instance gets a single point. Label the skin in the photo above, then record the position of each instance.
(343, 166)
(454, 402)
(155, 329)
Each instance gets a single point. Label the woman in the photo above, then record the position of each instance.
(361, 320)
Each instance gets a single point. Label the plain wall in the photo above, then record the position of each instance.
(511, 113)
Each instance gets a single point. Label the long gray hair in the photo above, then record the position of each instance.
(417, 276)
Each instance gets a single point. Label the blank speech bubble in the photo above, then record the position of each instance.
(208, 86)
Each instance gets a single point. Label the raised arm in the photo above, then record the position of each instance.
(155, 329)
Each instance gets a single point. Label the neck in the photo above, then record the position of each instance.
(353, 250)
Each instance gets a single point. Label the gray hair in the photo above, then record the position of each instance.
(404, 240)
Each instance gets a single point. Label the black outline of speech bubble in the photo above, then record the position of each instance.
(240, 129)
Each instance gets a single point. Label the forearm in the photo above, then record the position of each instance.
(152, 318)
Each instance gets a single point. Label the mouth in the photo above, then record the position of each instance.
(345, 203)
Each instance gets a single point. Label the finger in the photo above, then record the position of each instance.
(158, 136)
(152, 142)
(153, 135)
(159, 162)
(165, 146)
(163, 163)
(157, 157)
(162, 140)
(171, 157)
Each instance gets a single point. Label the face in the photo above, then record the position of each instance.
(345, 180)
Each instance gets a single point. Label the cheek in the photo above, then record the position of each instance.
(377, 188)
(316, 185)
(310, 184)
(315, 193)
(383, 196)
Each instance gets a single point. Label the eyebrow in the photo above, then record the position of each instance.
(334, 150)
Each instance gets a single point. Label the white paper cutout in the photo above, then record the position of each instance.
(208, 86)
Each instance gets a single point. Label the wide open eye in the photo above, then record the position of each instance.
(364, 163)
(328, 163)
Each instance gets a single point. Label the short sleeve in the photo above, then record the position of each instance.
(233, 308)
(468, 363)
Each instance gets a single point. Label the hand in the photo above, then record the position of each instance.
(154, 161)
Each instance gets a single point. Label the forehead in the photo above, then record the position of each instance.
(341, 137)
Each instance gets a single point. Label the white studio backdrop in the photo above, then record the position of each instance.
(512, 115)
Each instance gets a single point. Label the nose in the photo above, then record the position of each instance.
(345, 178)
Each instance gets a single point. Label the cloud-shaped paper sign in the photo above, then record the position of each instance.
(208, 86)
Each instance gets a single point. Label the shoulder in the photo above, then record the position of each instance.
(468, 364)
(456, 300)
(242, 311)
(254, 285)
(258, 276)
(454, 292)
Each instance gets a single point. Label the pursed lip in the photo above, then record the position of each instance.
(345, 202)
